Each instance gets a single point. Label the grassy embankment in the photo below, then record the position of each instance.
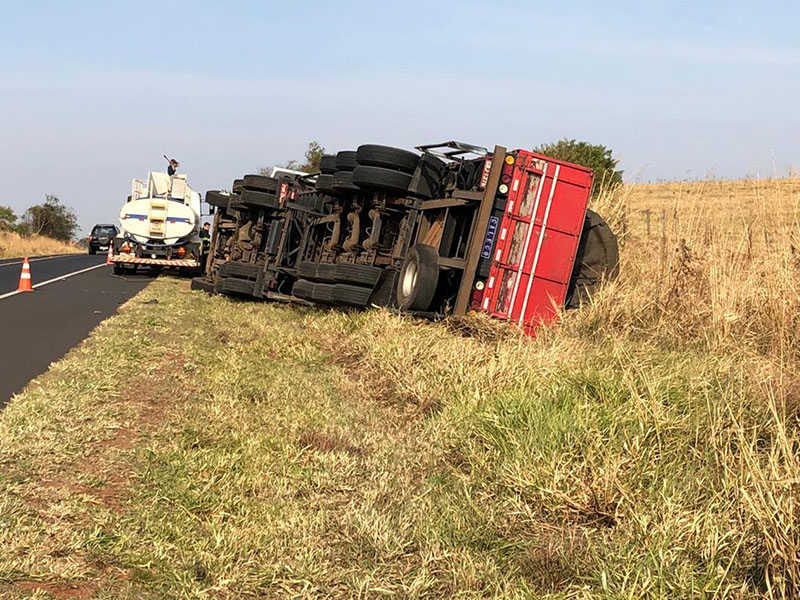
(645, 447)
(14, 245)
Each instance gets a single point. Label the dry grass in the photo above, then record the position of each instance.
(645, 447)
(13, 245)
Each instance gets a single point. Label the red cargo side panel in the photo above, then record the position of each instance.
(539, 237)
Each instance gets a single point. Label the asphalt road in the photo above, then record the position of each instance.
(39, 327)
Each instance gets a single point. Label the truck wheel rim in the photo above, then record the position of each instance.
(409, 279)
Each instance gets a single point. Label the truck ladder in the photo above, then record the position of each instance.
(157, 216)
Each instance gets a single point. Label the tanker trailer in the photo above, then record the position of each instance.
(159, 226)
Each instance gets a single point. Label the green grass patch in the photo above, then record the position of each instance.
(198, 447)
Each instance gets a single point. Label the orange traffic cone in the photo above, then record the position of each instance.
(110, 253)
(25, 284)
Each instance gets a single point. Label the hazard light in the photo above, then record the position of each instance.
(181, 252)
(126, 247)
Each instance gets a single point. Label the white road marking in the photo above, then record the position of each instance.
(54, 279)
(30, 260)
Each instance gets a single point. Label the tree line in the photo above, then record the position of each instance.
(51, 219)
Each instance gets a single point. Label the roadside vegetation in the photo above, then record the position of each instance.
(13, 245)
(47, 228)
(644, 447)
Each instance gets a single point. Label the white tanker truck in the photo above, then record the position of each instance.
(159, 226)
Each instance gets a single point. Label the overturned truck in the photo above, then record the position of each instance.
(452, 228)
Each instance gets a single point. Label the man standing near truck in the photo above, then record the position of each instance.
(205, 237)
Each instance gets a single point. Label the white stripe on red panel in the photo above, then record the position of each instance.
(528, 236)
(540, 242)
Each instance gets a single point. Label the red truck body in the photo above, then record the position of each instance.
(537, 239)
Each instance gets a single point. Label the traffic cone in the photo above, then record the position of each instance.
(25, 284)
(110, 253)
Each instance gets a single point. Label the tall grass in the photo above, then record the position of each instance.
(14, 245)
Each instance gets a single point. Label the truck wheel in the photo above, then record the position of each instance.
(233, 286)
(242, 270)
(324, 184)
(327, 164)
(202, 284)
(317, 271)
(323, 293)
(381, 179)
(303, 289)
(387, 157)
(119, 269)
(92, 250)
(419, 276)
(596, 260)
(219, 199)
(350, 294)
(260, 183)
(365, 275)
(343, 182)
(346, 160)
(259, 199)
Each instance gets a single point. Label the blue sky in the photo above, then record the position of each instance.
(93, 93)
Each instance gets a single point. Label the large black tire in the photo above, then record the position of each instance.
(260, 183)
(323, 293)
(314, 202)
(202, 284)
(343, 182)
(347, 273)
(238, 269)
(316, 271)
(353, 295)
(346, 160)
(92, 250)
(381, 179)
(387, 157)
(338, 294)
(303, 289)
(259, 199)
(324, 184)
(233, 286)
(235, 204)
(419, 276)
(327, 164)
(596, 261)
(365, 275)
(218, 199)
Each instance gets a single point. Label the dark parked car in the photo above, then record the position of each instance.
(101, 237)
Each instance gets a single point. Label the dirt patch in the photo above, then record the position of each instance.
(105, 464)
(102, 475)
(60, 590)
(327, 443)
